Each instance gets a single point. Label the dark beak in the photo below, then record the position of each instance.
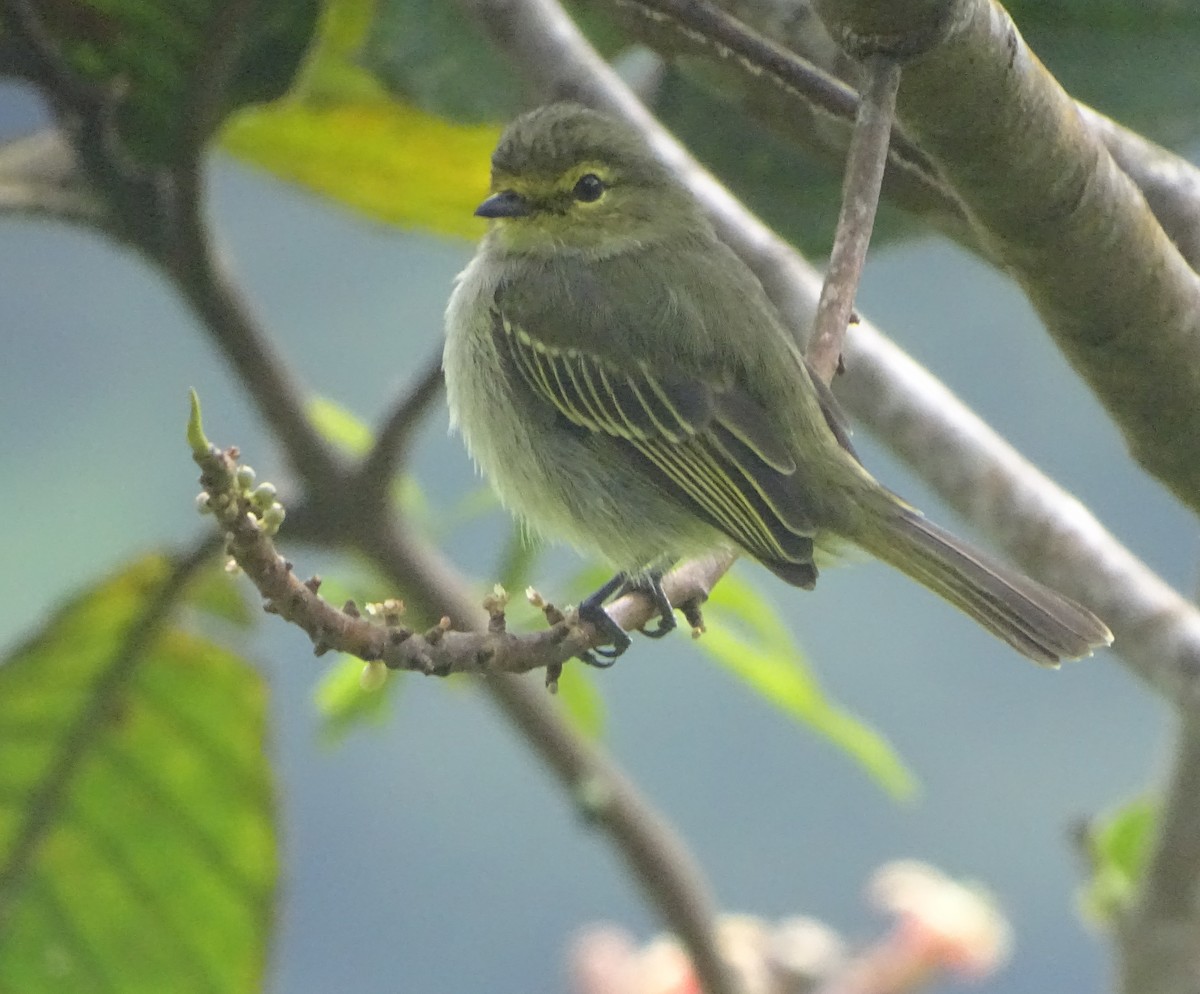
(504, 204)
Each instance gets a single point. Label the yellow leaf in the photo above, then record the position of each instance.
(388, 161)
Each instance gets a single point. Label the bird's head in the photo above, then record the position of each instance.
(569, 179)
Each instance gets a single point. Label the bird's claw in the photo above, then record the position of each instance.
(592, 611)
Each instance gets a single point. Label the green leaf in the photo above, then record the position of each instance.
(428, 54)
(390, 162)
(340, 426)
(213, 594)
(581, 701)
(747, 637)
(1119, 845)
(158, 58)
(137, 849)
(341, 135)
(344, 704)
(517, 560)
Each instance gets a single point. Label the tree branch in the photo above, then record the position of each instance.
(39, 176)
(1156, 944)
(392, 439)
(1043, 193)
(860, 200)
(250, 517)
(798, 97)
(1049, 533)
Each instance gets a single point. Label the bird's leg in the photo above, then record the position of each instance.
(650, 584)
(591, 610)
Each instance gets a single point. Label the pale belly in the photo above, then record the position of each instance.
(568, 484)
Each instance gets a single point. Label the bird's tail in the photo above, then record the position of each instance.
(1033, 619)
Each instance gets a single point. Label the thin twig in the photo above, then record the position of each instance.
(453, 645)
(865, 164)
(395, 433)
(725, 38)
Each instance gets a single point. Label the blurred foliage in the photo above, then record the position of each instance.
(745, 634)
(155, 56)
(341, 135)
(1118, 845)
(345, 704)
(1131, 15)
(340, 427)
(342, 701)
(388, 119)
(352, 436)
(1144, 76)
(137, 840)
(776, 178)
(581, 701)
(427, 54)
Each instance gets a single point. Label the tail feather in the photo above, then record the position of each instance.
(1033, 619)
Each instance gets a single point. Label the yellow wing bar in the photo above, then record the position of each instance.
(714, 447)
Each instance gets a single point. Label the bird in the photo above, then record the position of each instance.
(626, 385)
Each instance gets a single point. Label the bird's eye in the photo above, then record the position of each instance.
(589, 189)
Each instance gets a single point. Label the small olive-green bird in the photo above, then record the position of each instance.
(624, 382)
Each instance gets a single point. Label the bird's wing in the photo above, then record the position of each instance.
(712, 447)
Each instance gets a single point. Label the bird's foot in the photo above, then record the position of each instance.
(650, 584)
(592, 611)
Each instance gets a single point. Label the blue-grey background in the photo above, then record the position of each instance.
(433, 854)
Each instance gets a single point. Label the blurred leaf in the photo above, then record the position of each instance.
(1119, 844)
(340, 426)
(1131, 15)
(517, 560)
(158, 55)
(390, 162)
(580, 700)
(344, 704)
(354, 437)
(746, 636)
(472, 505)
(428, 54)
(793, 190)
(342, 136)
(212, 593)
(1145, 77)
(137, 849)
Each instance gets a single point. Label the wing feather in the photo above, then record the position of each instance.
(715, 447)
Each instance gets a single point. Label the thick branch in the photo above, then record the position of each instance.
(1170, 184)
(1156, 938)
(1056, 210)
